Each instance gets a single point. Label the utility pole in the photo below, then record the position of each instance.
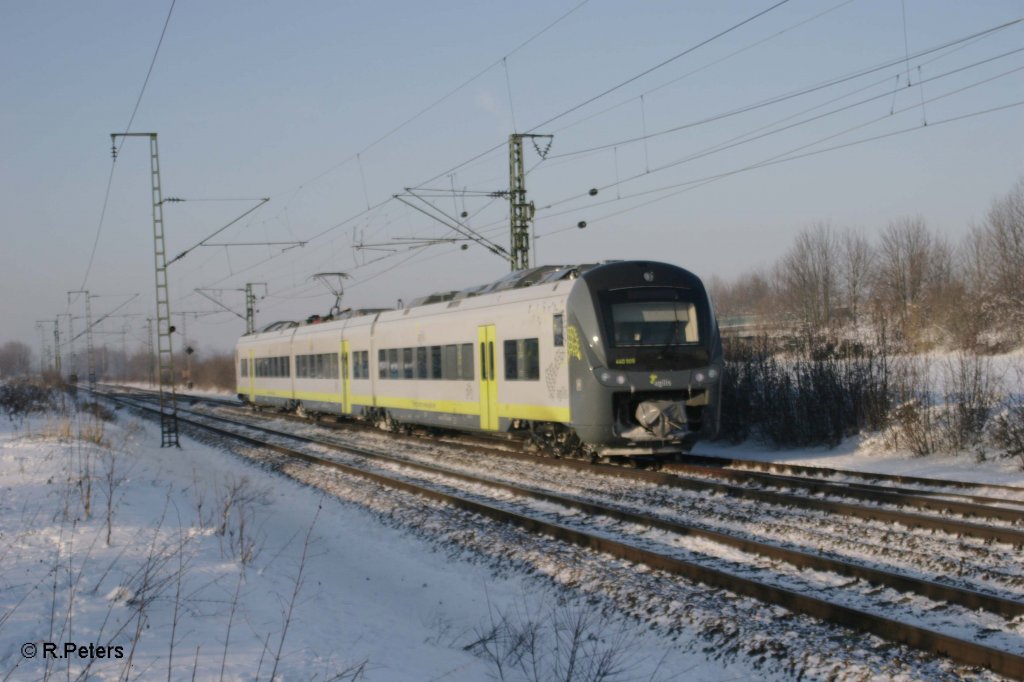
(56, 346)
(71, 359)
(250, 306)
(73, 378)
(187, 377)
(43, 350)
(250, 302)
(90, 360)
(168, 401)
(520, 211)
(91, 375)
(150, 348)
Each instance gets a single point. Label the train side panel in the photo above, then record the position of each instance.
(430, 362)
(269, 367)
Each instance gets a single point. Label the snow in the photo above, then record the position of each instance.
(371, 598)
(381, 585)
(870, 455)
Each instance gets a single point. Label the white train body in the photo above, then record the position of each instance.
(528, 354)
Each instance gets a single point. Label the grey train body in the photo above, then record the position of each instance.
(618, 359)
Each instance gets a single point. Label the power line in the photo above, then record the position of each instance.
(791, 95)
(662, 64)
(788, 156)
(131, 119)
(747, 138)
(612, 89)
(449, 94)
(708, 65)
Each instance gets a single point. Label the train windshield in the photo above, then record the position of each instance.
(652, 317)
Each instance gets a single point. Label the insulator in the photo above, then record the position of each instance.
(581, 224)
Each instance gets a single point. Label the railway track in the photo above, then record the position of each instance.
(598, 526)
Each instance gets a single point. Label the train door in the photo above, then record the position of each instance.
(252, 377)
(488, 380)
(346, 378)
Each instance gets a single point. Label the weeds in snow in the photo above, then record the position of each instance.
(562, 640)
(238, 501)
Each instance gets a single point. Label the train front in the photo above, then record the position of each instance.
(645, 359)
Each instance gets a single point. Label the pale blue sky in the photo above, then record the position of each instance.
(254, 99)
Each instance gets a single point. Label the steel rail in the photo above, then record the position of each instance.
(962, 651)
(982, 508)
(959, 527)
(826, 472)
(859, 491)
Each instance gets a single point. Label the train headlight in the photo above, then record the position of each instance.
(699, 376)
(712, 373)
(610, 378)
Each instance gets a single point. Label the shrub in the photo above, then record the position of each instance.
(22, 397)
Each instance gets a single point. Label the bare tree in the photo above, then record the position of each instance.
(913, 272)
(15, 359)
(751, 294)
(808, 276)
(857, 261)
(1003, 245)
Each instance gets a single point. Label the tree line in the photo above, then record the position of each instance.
(909, 286)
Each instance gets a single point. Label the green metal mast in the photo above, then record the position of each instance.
(520, 211)
(165, 356)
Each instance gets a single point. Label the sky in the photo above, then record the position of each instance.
(713, 132)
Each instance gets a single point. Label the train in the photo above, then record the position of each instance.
(606, 360)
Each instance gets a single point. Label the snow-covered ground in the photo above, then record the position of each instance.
(298, 585)
(216, 564)
(870, 454)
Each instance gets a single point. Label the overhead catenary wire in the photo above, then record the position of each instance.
(790, 95)
(745, 139)
(588, 101)
(367, 213)
(708, 65)
(113, 163)
(440, 100)
(612, 89)
(789, 156)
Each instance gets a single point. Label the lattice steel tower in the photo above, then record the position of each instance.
(165, 356)
(520, 211)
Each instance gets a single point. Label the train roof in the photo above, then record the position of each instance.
(520, 279)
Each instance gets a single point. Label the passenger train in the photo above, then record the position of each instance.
(621, 358)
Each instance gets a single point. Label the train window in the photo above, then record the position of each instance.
(271, 367)
(654, 323)
(511, 360)
(392, 363)
(408, 368)
(382, 364)
(364, 363)
(421, 362)
(651, 316)
(466, 361)
(558, 324)
(451, 362)
(435, 362)
(522, 360)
